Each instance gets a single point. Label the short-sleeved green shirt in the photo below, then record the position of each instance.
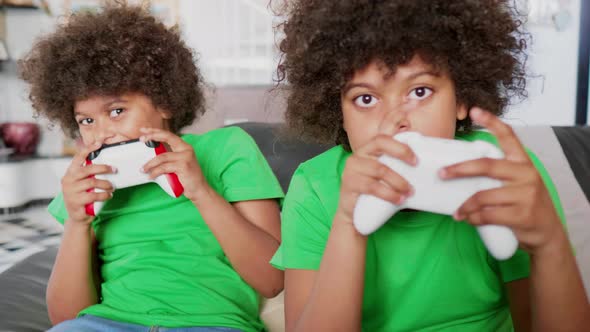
(161, 264)
(424, 271)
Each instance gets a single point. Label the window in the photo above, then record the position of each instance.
(235, 40)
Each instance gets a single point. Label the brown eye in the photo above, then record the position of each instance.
(365, 101)
(116, 112)
(420, 93)
(85, 121)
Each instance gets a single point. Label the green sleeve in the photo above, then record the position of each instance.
(243, 170)
(305, 227)
(57, 208)
(518, 267)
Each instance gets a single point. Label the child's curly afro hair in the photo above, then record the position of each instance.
(121, 49)
(480, 43)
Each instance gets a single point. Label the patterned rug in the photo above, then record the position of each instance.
(26, 230)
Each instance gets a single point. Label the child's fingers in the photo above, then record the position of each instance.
(363, 184)
(380, 172)
(75, 175)
(161, 169)
(80, 157)
(91, 182)
(498, 215)
(509, 142)
(94, 196)
(77, 205)
(93, 169)
(79, 189)
(504, 170)
(80, 215)
(492, 198)
(162, 159)
(385, 145)
(152, 134)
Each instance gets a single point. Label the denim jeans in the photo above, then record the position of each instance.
(89, 323)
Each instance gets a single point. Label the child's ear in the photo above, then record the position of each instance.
(165, 114)
(461, 112)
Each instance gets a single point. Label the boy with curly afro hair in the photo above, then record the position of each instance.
(197, 262)
(361, 71)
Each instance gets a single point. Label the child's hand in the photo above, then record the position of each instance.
(77, 181)
(181, 160)
(522, 203)
(364, 174)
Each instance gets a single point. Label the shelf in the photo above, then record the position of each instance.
(19, 158)
(18, 7)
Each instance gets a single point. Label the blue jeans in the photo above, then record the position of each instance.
(89, 323)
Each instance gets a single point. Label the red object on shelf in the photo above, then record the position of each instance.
(23, 137)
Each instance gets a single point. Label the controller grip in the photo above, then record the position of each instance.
(171, 184)
(371, 212)
(93, 208)
(500, 240)
(90, 209)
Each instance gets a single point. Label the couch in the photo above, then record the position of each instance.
(565, 151)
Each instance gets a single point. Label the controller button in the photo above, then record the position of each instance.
(152, 144)
(92, 155)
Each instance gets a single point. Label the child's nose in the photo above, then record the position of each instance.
(104, 134)
(394, 121)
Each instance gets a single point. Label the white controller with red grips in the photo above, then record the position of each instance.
(128, 158)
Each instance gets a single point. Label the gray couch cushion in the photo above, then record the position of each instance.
(282, 153)
(22, 289)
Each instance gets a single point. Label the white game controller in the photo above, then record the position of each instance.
(433, 194)
(128, 157)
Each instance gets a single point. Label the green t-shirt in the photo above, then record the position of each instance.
(161, 264)
(424, 271)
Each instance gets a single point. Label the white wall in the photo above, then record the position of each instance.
(234, 38)
(22, 27)
(554, 56)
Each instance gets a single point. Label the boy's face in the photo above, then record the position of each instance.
(415, 97)
(113, 119)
